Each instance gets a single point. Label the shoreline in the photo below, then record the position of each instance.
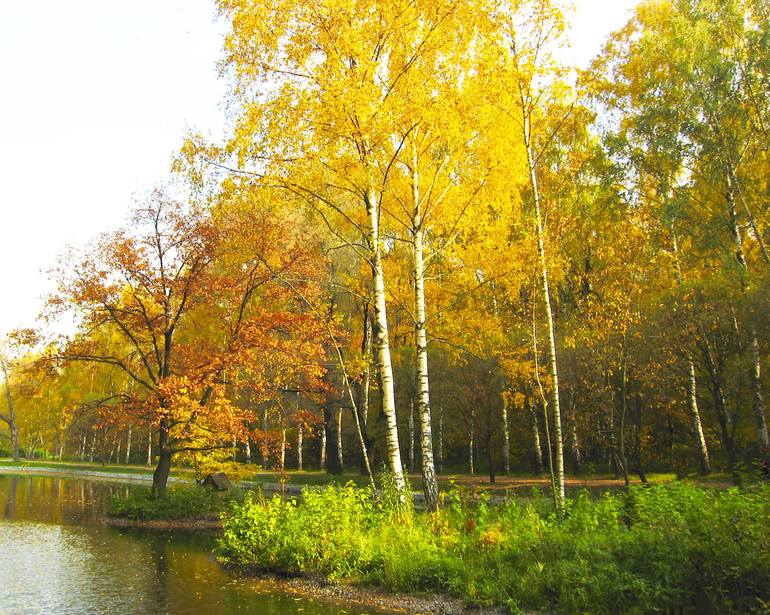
(207, 524)
(371, 596)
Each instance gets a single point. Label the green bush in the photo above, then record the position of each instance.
(180, 503)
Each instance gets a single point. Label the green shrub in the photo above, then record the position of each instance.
(670, 549)
(180, 503)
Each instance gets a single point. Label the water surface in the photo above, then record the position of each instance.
(57, 557)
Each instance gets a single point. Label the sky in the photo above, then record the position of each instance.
(95, 98)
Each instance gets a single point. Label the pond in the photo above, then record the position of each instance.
(57, 556)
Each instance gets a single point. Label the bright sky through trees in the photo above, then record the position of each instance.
(96, 96)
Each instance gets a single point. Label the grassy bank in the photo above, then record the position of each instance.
(673, 548)
(182, 502)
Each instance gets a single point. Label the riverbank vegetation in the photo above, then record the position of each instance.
(181, 502)
(675, 548)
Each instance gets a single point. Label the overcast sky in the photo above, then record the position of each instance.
(95, 96)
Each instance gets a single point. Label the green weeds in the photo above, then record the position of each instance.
(671, 549)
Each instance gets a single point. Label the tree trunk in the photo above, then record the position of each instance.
(506, 441)
(248, 450)
(410, 437)
(128, 443)
(471, 447)
(382, 345)
(163, 469)
(552, 366)
(329, 444)
(695, 420)
(720, 409)
(322, 456)
(576, 447)
(638, 441)
(340, 458)
(422, 388)
(623, 409)
(149, 446)
(757, 398)
(441, 439)
(264, 448)
(361, 388)
(300, 434)
(536, 446)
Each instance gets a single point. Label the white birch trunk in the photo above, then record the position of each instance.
(410, 441)
(322, 460)
(552, 366)
(128, 443)
(382, 346)
(339, 438)
(757, 398)
(506, 441)
(441, 439)
(697, 425)
(422, 381)
(248, 451)
(471, 469)
(300, 435)
(149, 447)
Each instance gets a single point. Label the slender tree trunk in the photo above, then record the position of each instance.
(300, 434)
(149, 446)
(723, 417)
(576, 447)
(264, 448)
(248, 450)
(340, 458)
(441, 439)
(332, 465)
(757, 398)
(553, 371)
(623, 409)
(506, 441)
(695, 420)
(638, 441)
(422, 388)
(410, 442)
(322, 456)
(117, 449)
(361, 387)
(128, 443)
(382, 345)
(471, 469)
(537, 448)
(692, 388)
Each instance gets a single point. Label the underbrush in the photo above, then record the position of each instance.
(180, 503)
(673, 549)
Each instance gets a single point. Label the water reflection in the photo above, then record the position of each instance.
(56, 556)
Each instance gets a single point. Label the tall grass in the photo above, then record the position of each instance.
(672, 549)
